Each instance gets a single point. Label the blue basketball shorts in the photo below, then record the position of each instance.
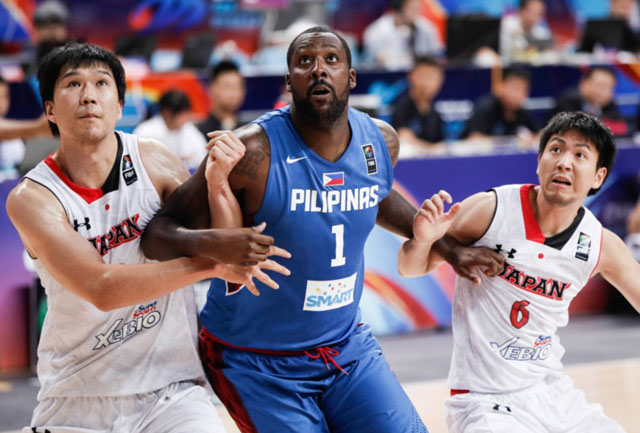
(347, 387)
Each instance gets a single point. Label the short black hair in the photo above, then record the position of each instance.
(607, 70)
(74, 55)
(319, 29)
(224, 66)
(516, 72)
(525, 3)
(174, 101)
(589, 127)
(426, 61)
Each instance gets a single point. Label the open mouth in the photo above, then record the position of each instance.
(320, 91)
(561, 182)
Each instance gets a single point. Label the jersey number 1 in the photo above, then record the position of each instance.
(339, 259)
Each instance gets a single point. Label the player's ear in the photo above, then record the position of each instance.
(48, 110)
(352, 79)
(287, 80)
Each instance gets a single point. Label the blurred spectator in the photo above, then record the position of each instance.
(226, 92)
(524, 35)
(633, 232)
(173, 128)
(399, 36)
(50, 19)
(594, 95)
(11, 151)
(623, 39)
(413, 116)
(502, 113)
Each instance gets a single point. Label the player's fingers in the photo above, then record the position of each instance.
(265, 279)
(453, 211)
(437, 201)
(214, 134)
(260, 227)
(280, 252)
(252, 287)
(272, 265)
(445, 196)
(469, 275)
(261, 239)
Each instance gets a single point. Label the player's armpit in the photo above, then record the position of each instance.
(619, 268)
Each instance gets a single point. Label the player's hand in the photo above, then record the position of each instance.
(431, 222)
(244, 275)
(225, 150)
(470, 262)
(240, 246)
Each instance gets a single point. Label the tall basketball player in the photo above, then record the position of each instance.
(320, 174)
(118, 349)
(506, 372)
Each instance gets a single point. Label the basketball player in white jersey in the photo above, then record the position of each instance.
(118, 347)
(506, 372)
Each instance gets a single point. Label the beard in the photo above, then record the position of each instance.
(326, 116)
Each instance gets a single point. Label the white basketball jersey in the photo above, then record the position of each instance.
(505, 328)
(87, 352)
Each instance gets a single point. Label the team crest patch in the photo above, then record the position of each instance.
(128, 171)
(333, 179)
(583, 247)
(370, 158)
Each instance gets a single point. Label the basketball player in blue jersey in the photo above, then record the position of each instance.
(320, 175)
(506, 371)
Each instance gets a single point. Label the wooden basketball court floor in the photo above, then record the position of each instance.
(603, 359)
(615, 385)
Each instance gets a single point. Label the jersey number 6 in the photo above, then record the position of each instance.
(519, 314)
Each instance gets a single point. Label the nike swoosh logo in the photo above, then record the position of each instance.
(292, 160)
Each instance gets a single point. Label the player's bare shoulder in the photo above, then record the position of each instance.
(390, 138)
(165, 169)
(30, 198)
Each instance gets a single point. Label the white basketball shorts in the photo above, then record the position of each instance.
(182, 407)
(552, 406)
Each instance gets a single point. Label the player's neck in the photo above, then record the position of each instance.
(551, 219)
(328, 141)
(87, 164)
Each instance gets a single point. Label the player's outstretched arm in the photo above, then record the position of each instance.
(76, 264)
(471, 222)
(618, 267)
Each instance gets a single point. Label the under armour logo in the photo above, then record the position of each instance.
(497, 407)
(511, 253)
(35, 430)
(85, 224)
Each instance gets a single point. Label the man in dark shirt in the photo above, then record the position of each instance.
(594, 95)
(227, 92)
(413, 115)
(502, 113)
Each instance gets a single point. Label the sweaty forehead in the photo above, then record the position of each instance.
(573, 137)
(318, 41)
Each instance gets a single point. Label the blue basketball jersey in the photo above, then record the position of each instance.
(321, 212)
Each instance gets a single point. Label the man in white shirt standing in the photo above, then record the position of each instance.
(396, 38)
(173, 128)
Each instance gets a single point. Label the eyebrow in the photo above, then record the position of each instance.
(305, 46)
(580, 144)
(72, 72)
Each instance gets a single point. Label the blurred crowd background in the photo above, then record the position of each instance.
(468, 84)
